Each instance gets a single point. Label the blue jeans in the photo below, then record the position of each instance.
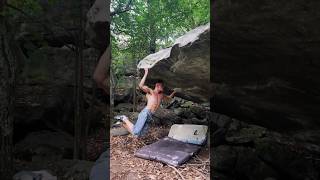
(141, 126)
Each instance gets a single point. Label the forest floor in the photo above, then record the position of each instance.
(124, 165)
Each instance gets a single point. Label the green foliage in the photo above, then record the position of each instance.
(28, 10)
(151, 25)
(30, 7)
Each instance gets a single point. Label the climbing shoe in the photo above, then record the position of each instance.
(116, 124)
(120, 117)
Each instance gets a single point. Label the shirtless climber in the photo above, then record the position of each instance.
(154, 98)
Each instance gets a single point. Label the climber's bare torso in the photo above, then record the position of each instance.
(154, 100)
(154, 96)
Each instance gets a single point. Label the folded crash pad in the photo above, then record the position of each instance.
(189, 133)
(169, 151)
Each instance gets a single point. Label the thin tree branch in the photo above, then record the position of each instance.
(201, 173)
(43, 24)
(120, 10)
(177, 172)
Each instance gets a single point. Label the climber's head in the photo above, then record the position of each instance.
(159, 86)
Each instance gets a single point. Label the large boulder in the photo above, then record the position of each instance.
(45, 145)
(98, 24)
(46, 76)
(34, 175)
(45, 90)
(55, 65)
(79, 170)
(185, 65)
(166, 117)
(266, 62)
(53, 27)
(254, 152)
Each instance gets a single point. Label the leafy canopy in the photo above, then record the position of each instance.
(151, 24)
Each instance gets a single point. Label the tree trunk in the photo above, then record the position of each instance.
(83, 121)
(152, 28)
(79, 141)
(7, 88)
(76, 145)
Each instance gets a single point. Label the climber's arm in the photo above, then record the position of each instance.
(143, 87)
(172, 94)
(100, 72)
(167, 98)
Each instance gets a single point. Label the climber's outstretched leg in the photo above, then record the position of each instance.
(140, 127)
(126, 123)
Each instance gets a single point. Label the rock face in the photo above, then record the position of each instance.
(266, 63)
(44, 92)
(28, 175)
(45, 87)
(45, 145)
(98, 24)
(179, 111)
(46, 79)
(185, 65)
(265, 72)
(246, 151)
(80, 170)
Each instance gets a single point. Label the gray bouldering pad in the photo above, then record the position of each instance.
(169, 151)
(189, 133)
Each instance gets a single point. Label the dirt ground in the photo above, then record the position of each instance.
(124, 165)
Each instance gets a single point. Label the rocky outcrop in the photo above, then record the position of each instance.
(266, 63)
(60, 169)
(185, 65)
(42, 174)
(265, 72)
(46, 83)
(177, 111)
(44, 145)
(44, 92)
(46, 79)
(79, 170)
(98, 24)
(246, 151)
